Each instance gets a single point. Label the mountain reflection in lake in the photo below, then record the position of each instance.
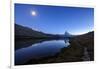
(25, 50)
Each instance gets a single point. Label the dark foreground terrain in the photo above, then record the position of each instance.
(81, 48)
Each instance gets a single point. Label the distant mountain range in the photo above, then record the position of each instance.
(25, 32)
(21, 31)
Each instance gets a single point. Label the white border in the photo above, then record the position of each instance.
(12, 35)
(72, 3)
(80, 3)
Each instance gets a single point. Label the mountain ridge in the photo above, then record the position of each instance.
(25, 32)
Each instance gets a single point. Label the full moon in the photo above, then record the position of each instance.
(33, 13)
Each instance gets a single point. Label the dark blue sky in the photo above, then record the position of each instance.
(55, 19)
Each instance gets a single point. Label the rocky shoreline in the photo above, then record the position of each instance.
(81, 48)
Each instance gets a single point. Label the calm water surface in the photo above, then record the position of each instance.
(26, 50)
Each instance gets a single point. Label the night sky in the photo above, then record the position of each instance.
(55, 19)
